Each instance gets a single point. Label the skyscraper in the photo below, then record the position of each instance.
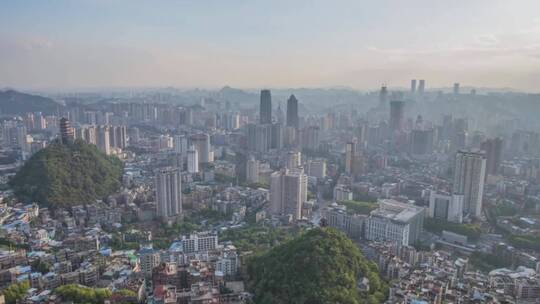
(413, 86)
(259, 137)
(180, 144)
(103, 140)
(350, 153)
(252, 170)
(469, 176)
(397, 115)
(422, 141)
(383, 97)
(201, 142)
(294, 159)
(67, 134)
(421, 86)
(168, 193)
(456, 88)
(192, 160)
(288, 192)
(493, 148)
(265, 110)
(292, 112)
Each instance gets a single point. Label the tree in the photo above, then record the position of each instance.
(16, 292)
(83, 294)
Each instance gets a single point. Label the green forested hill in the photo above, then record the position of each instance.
(62, 175)
(319, 267)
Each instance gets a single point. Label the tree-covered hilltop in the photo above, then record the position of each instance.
(62, 175)
(321, 266)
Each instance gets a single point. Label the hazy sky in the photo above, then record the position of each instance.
(250, 44)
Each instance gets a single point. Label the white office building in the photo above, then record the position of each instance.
(396, 222)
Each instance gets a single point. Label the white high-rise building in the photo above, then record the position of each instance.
(294, 159)
(288, 192)
(317, 168)
(180, 144)
(446, 207)
(197, 243)
(192, 160)
(168, 185)
(350, 152)
(201, 142)
(469, 178)
(252, 174)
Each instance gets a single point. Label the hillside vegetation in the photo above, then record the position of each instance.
(63, 175)
(320, 266)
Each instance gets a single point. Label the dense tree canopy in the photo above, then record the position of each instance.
(83, 294)
(15, 292)
(320, 266)
(62, 175)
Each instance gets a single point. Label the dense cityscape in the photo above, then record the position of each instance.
(447, 208)
(270, 152)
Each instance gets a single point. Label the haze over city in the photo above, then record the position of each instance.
(270, 152)
(252, 44)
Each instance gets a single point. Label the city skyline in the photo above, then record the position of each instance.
(96, 44)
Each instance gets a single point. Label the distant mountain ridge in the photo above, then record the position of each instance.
(14, 102)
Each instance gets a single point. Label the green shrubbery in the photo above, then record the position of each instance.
(472, 231)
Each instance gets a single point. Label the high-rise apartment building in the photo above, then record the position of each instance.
(192, 160)
(397, 115)
(180, 144)
(288, 192)
(252, 170)
(421, 86)
(201, 143)
(383, 98)
(168, 185)
(456, 88)
(317, 168)
(103, 140)
(294, 160)
(469, 178)
(350, 154)
(493, 149)
(413, 86)
(446, 207)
